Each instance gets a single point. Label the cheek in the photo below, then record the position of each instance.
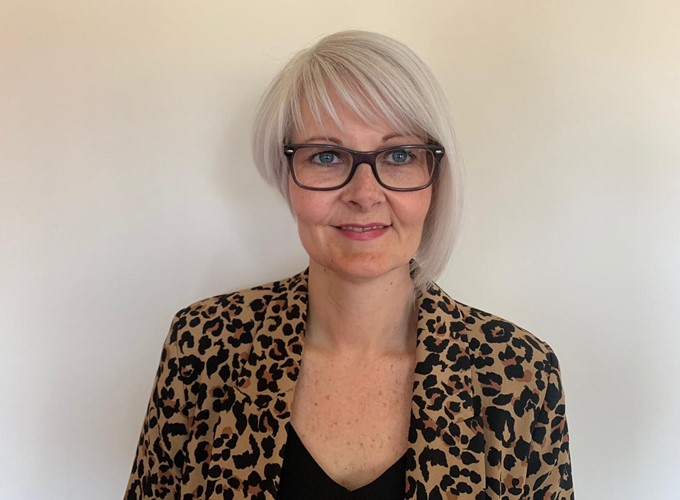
(307, 206)
(310, 211)
(415, 215)
(425, 203)
(298, 201)
(415, 209)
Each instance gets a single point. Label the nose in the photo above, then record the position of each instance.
(363, 189)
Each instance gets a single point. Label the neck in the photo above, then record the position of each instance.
(362, 318)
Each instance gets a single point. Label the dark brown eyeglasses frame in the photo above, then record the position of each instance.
(367, 157)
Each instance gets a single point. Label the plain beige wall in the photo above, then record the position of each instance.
(127, 192)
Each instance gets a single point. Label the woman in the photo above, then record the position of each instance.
(359, 377)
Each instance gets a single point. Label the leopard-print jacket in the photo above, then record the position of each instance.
(487, 414)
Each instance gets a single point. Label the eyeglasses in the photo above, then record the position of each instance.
(324, 167)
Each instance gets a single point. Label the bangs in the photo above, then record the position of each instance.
(325, 83)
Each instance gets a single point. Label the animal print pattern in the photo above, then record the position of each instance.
(487, 419)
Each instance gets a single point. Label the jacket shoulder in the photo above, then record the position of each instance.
(490, 334)
(502, 352)
(246, 305)
(213, 337)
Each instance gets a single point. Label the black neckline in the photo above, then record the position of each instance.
(303, 478)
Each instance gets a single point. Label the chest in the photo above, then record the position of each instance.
(354, 420)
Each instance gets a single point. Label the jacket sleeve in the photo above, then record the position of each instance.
(549, 463)
(156, 471)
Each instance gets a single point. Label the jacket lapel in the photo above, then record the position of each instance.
(446, 456)
(268, 379)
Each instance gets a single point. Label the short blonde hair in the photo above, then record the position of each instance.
(375, 76)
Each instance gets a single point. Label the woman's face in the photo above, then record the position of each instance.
(332, 224)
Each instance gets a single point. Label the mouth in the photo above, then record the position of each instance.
(363, 232)
(362, 229)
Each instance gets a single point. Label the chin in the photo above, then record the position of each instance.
(363, 267)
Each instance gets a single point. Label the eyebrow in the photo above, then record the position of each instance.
(392, 136)
(337, 141)
(323, 140)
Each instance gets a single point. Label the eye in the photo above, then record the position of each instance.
(399, 156)
(326, 158)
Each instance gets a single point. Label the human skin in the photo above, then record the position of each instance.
(321, 215)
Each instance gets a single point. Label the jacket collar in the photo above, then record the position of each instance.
(445, 413)
(273, 364)
(446, 432)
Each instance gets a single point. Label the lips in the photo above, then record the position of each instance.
(354, 226)
(361, 229)
(362, 232)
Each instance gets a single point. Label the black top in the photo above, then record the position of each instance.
(303, 479)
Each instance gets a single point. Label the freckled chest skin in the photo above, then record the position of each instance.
(353, 419)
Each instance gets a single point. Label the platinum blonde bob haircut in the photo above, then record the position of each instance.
(376, 77)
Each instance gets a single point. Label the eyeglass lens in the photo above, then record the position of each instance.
(325, 167)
